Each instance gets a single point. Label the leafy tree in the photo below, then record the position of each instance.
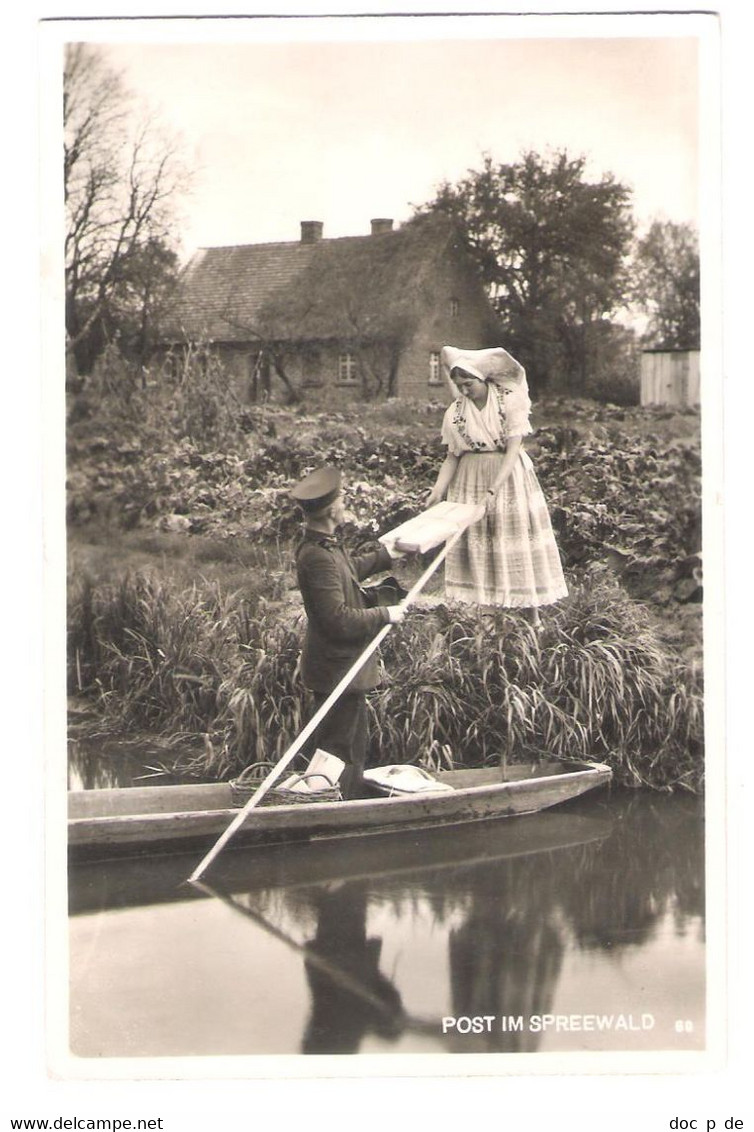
(147, 281)
(120, 181)
(667, 285)
(616, 365)
(553, 250)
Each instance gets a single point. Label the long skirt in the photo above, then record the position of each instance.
(509, 557)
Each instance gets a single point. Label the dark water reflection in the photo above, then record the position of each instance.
(592, 913)
(102, 762)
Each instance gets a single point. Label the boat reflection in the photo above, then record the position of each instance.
(510, 919)
(141, 880)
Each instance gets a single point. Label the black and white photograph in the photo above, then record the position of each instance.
(383, 390)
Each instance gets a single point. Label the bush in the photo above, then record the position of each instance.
(461, 687)
(599, 683)
(615, 389)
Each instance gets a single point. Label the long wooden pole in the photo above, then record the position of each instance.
(319, 715)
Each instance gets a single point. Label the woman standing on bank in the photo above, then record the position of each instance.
(509, 558)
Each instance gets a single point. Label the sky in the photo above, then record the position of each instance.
(343, 121)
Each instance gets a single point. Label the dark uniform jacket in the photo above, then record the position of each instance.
(339, 623)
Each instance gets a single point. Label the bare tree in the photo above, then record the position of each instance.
(121, 180)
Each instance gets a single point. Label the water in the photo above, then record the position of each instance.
(578, 929)
(101, 762)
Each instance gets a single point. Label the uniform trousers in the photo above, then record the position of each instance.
(344, 732)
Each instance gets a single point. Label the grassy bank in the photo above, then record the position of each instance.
(459, 687)
(184, 620)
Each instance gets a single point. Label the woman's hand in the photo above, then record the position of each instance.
(489, 501)
(443, 481)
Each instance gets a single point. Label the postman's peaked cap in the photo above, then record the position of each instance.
(318, 489)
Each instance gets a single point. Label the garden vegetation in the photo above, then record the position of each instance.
(184, 621)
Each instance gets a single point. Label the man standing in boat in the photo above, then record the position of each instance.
(340, 623)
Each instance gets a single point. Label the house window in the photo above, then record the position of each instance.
(434, 367)
(347, 370)
(453, 308)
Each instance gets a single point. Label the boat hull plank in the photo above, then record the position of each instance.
(110, 822)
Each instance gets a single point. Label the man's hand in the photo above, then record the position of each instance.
(395, 614)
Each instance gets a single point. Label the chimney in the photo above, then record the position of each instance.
(381, 225)
(311, 231)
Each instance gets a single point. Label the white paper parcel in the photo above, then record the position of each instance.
(435, 525)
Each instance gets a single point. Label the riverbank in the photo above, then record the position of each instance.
(184, 620)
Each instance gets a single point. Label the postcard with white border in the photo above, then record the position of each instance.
(328, 775)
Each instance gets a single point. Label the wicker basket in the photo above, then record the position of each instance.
(250, 779)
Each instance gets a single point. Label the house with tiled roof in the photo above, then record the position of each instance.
(355, 316)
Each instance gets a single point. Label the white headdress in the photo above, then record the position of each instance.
(495, 365)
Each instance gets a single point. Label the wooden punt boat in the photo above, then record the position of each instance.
(104, 823)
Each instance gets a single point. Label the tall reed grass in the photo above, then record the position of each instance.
(470, 688)
(461, 687)
(187, 664)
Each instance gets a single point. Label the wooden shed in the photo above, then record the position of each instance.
(670, 377)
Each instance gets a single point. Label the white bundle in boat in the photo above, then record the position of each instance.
(323, 772)
(435, 525)
(405, 778)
